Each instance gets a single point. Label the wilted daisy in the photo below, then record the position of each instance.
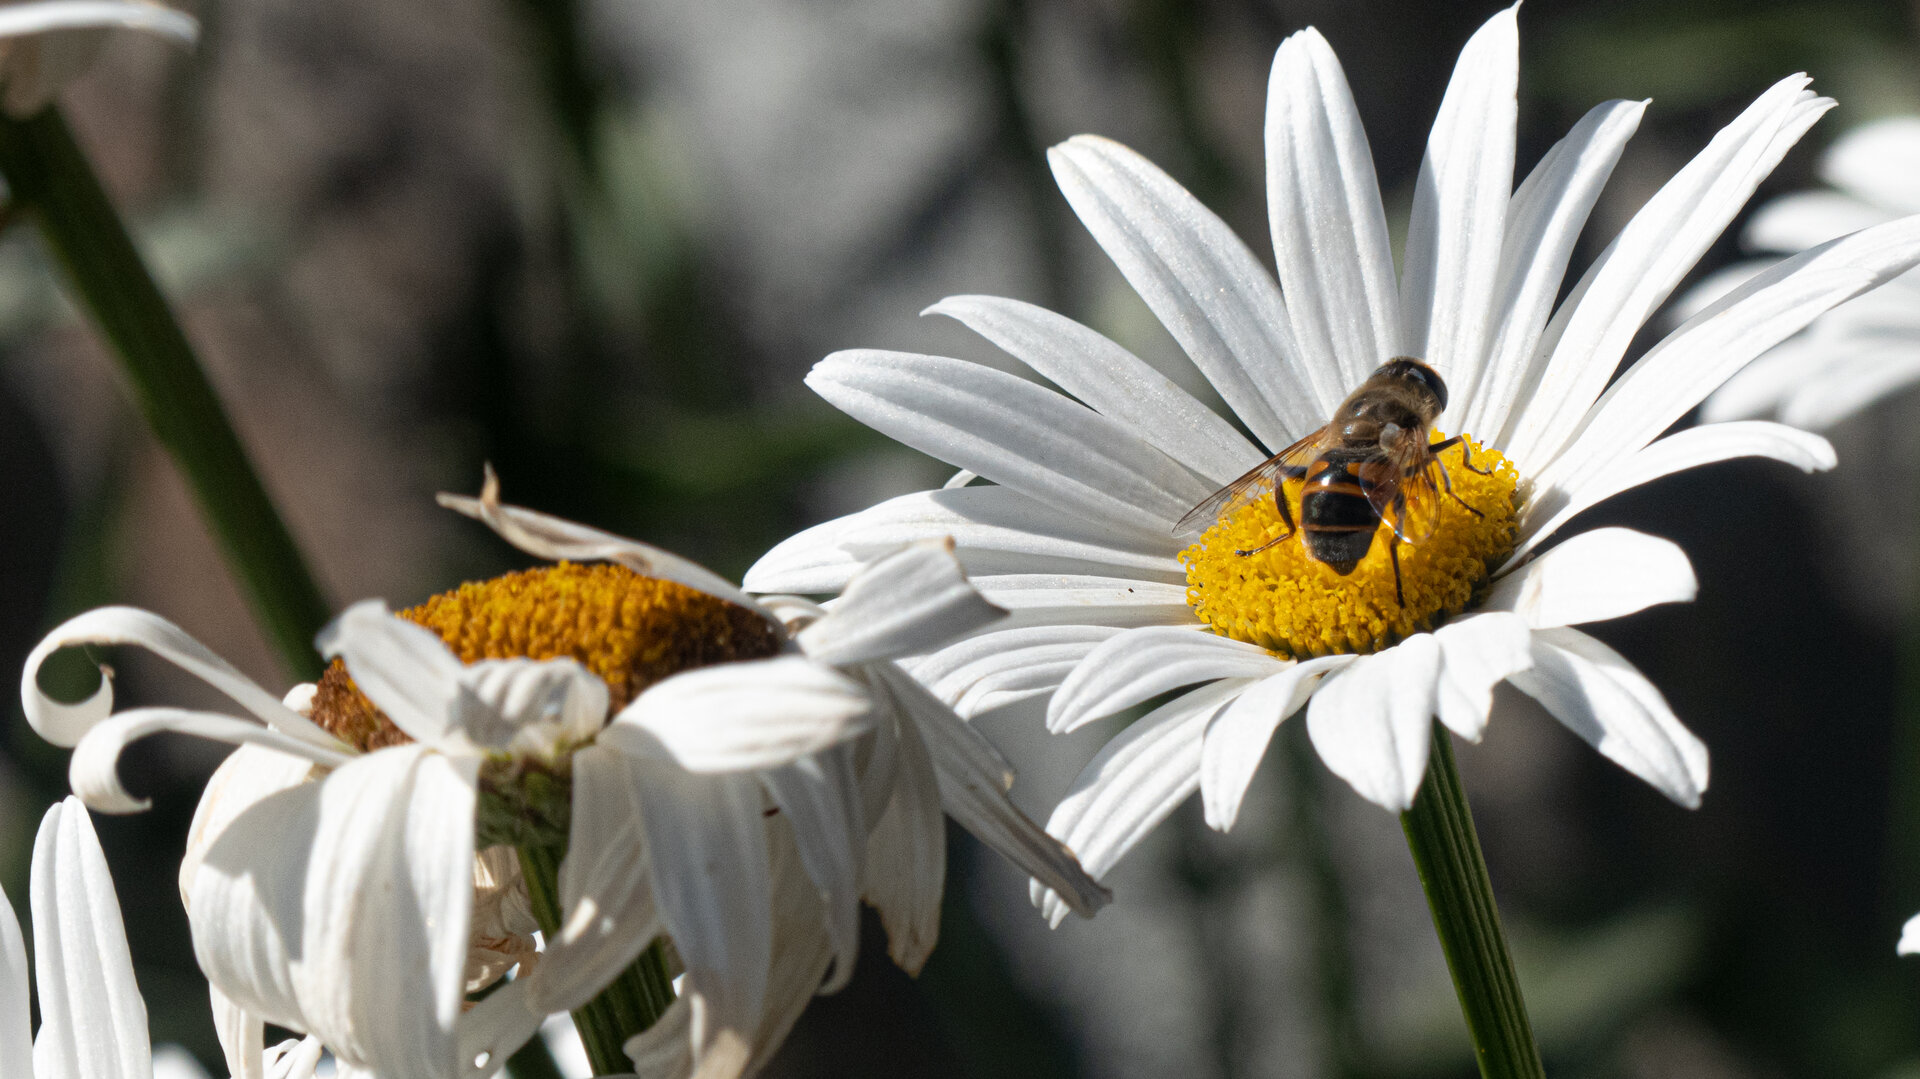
(93, 1021)
(46, 43)
(712, 778)
(1075, 532)
(1863, 351)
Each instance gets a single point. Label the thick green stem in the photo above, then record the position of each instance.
(49, 175)
(632, 1003)
(1446, 851)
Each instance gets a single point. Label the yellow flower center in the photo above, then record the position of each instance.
(1288, 602)
(630, 630)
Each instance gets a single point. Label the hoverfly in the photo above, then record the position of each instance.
(1374, 461)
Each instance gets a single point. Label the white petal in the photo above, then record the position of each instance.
(994, 529)
(1680, 371)
(1237, 736)
(820, 796)
(1110, 380)
(1141, 664)
(64, 724)
(1372, 723)
(908, 602)
(1690, 448)
(16, 1038)
(492, 1029)
(1136, 779)
(1909, 937)
(1599, 696)
(1460, 207)
(736, 717)
(1013, 432)
(17, 20)
(1544, 220)
(1476, 654)
(1199, 279)
(666, 1047)
(94, 770)
(1329, 231)
(242, 1037)
(296, 1060)
(1631, 278)
(93, 1022)
(1052, 599)
(1605, 573)
(528, 706)
(1776, 377)
(249, 774)
(557, 539)
(907, 856)
(406, 670)
(1878, 162)
(1803, 219)
(1868, 372)
(974, 780)
(999, 668)
(709, 848)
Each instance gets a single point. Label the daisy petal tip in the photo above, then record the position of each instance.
(1909, 938)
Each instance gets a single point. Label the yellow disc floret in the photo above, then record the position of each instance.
(1284, 600)
(630, 630)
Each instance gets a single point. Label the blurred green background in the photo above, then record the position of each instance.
(598, 243)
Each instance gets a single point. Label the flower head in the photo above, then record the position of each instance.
(1074, 533)
(712, 776)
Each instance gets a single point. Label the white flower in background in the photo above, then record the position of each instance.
(1856, 355)
(1075, 535)
(93, 1022)
(44, 44)
(331, 872)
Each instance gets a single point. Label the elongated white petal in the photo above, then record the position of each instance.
(1136, 779)
(1013, 432)
(820, 796)
(556, 539)
(243, 1038)
(1236, 738)
(17, 20)
(1779, 375)
(1599, 696)
(1631, 278)
(16, 1037)
(606, 896)
(994, 529)
(1877, 161)
(1372, 723)
(1110, 380)
(93, 1022)
(998, 668)
(249, 774)
(1476, 654)
(1141, 664)
(666, 1047)
(1690, 448)
(528, 706)
(1680, 371)
(974, 780)
(1605, 573)
(908, 602)
(1460, 207)
(1329, 230)
(1866, 373)
(1199, 279)
(1803, 219)
(94, 770)
(1056, 599)
(1909, 937)
(406, 670)
(907, 855)
(709, 847)
(1544, 220)
(64, 724)
(737, 717)
(341, 908)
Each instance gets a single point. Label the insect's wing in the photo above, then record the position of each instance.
(1408, 497)
(1255, 485)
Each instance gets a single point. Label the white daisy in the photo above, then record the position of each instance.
(748, 789)
(1074, 534)
(44, 44)
(93, 1021)
(1864, 351)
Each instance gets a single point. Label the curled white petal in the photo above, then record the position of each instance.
(17, 20)
(737, 717)
(94, 770)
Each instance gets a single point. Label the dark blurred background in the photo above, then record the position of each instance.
(598, 243)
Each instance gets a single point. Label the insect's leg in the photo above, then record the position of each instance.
(1264, 546)
(1446, 480)
(1393, 553)
(1280, 503)
(1466, 459)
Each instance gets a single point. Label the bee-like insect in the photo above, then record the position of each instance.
(1374, 461)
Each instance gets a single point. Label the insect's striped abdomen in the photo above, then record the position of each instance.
(1337, 520)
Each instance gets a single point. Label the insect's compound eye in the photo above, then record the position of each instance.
(1414, 371)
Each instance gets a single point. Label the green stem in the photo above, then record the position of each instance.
(50, 176)
(630, 1004)
(1446, 851)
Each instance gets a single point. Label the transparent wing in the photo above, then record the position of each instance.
(1408, 496)
(1255, 485)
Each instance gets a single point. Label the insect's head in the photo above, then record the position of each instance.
(1408, 369)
